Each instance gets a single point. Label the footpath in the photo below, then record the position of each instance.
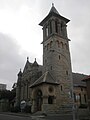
(32, 116)
(46, 117)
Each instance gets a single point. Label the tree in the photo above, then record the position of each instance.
(7, 94)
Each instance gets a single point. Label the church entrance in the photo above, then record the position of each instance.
(39, 100)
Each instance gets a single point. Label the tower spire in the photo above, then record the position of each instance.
(52, 4)
(35, 59)
(27, 58)
(20, 69)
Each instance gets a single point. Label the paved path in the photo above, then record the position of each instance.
(16, 116)
(13, 117)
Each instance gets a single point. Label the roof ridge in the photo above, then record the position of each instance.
(46, 73)
(38, 79)
(44, 79)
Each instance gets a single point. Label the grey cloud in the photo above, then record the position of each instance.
(78, 30)
(10, 60)
(16, 4)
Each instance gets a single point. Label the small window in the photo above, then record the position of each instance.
(57, 43)
(51, 44)
(56, 26)
(51, 67)
(80, 98)
(47, 31)
(61, 26)
(74, 97)
(66, 46)
(85, 98)
(47, 46)
(50, 99)
(81, 89)
(50, 27)
(61, 44)
(61, 88)
(59, 57)
(66, 72)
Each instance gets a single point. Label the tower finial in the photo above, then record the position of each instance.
(35, 59)
(52, 4)
(28, 58)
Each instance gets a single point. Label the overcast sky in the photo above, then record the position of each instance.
(20, 34)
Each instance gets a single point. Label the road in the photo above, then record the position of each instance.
(13, 117)
(19, 117)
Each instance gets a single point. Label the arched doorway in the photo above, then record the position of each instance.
(39, 100)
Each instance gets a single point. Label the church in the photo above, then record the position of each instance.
(49, 87)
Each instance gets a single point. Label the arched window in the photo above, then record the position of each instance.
(51, 44)
(66, 72)
(85, 98)
(74, 94)
(58, 44)
(39, 100)
(63, 29)
(50, 23)
(61, 26)
(56, 26)
(66, 46)
(47, 46)
(61, 44)
(59, 57)
(47, 31)
(61, 88)
(27, 87)
(80, 98)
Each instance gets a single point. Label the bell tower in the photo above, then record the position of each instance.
(56, 54)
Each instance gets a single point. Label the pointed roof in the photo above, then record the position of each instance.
(20, 73)
(53, 12)
(35, 64)
(45, 78)
(27, 65)
(77, 79)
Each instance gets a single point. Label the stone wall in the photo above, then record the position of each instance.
(4, 105)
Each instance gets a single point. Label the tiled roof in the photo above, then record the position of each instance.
(53, 10)
(77, 79)
(86, 78)
(45, 78)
